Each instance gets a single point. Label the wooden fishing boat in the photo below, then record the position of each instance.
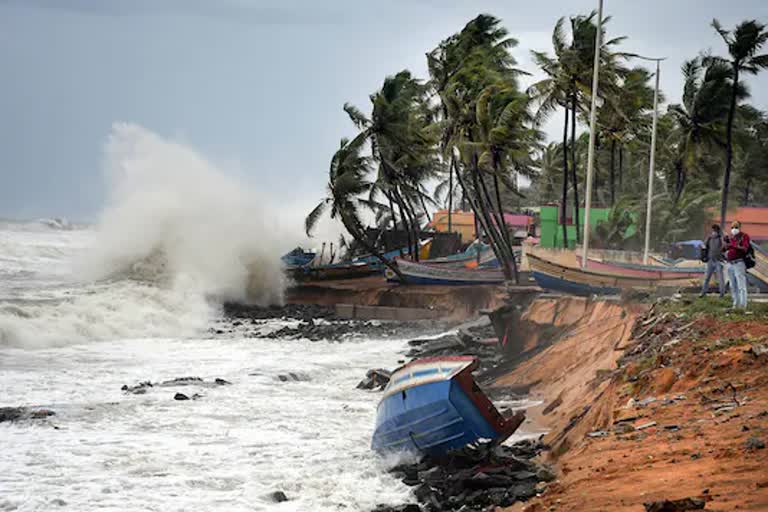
(553, 276)
(417, 273)
(433, 406)
(344, 270)
(760, 271)
(637, 270)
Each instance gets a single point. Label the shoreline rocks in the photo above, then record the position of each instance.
(476, 478)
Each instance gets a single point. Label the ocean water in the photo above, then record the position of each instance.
(69, 345)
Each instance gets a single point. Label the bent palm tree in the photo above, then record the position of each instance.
(346, 183)
(743, 44)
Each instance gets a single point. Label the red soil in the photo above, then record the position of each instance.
(711, 397)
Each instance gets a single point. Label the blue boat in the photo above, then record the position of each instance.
(433, 406)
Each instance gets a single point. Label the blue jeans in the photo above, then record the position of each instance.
(737, 275)
(712, 267)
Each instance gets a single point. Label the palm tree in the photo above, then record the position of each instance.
(403, 143)
(700, 118)
(743, 43)
(623, 117)
(462, 67)
(569, 84)
(547, 166)
(347, 182)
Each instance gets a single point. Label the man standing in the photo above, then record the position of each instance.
(713, 251)
(736, 248)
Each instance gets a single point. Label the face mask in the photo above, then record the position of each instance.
(734, 231)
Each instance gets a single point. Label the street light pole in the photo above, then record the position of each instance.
(652, 160)
(592, 123)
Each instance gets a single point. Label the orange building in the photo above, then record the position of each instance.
(464, 223)
(754, 221)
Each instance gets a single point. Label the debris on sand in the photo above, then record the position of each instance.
(675, 505)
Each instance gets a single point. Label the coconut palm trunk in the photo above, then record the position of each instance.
(612, 182)
(564, 200)
(480, 219)
(573, 168)
(505, 229)
(359, 236)
(450, 194)
(484, 204)
(729, 147)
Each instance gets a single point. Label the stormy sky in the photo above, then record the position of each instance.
(258, 85)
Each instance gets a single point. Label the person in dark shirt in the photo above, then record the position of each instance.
(714, 258)
(736, 248)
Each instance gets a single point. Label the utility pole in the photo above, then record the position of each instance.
(592, 123)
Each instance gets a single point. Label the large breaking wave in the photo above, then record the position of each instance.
(177, 237)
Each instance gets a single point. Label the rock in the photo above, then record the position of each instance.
(41, 413)
(598, 433)
(675, 505)
(545, 474)
(222, 382)
(646, 425)
(180, 396)
(754, 443)
(375, 378)
(23, 413)
(278, 497)
(293, 377)
(12, 413)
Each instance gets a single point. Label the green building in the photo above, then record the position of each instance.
(551, 232)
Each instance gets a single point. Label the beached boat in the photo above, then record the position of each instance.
(433, 406)
(344, 270)
(417, 273)
(553, 276)
(638, 270)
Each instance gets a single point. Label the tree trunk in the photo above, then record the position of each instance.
(404, 221)
(479, 219)
(394, 219)
(747, 188)
(353, 230)
(613, 172)
(486, 206)
(481, 215)
(505, 231)
(621, 167)
(564, 199)
(424, 207)
(573, 169)
(450, 193)
(679, 179)
(729, 147)
(415, 227)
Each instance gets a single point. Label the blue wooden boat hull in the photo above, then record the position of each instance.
(431, 418)
(563, 285)
(445, 412)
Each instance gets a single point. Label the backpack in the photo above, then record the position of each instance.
(749, 258)
(704, 252)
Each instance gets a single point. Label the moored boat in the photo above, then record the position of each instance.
(417, 273)
(553, 276)
(433, 406)
(637, 270)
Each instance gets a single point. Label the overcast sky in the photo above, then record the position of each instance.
(259, 84)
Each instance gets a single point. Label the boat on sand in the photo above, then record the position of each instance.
(433, 406)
